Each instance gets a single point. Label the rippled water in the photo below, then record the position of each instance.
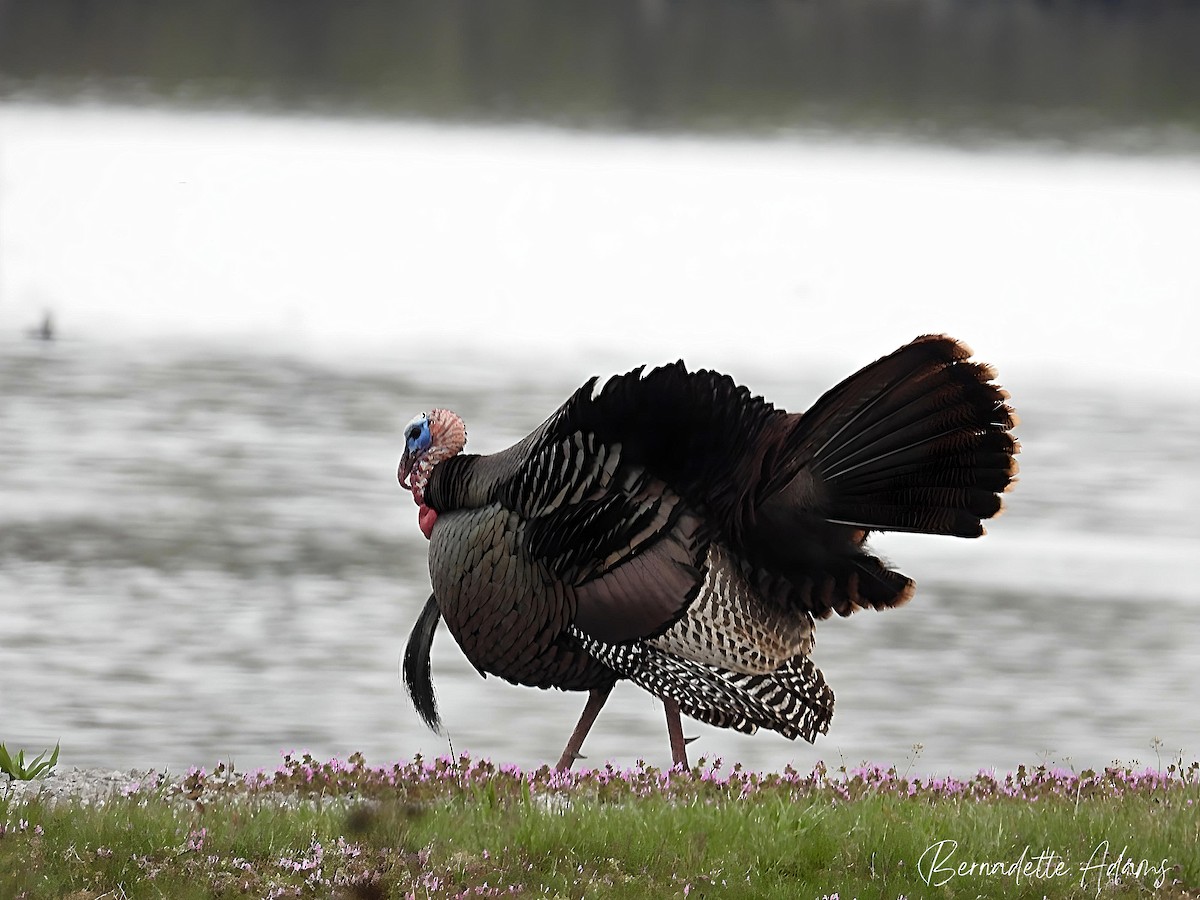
(204, 554)
(203, 550)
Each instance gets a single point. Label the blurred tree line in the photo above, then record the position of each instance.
(947, 68)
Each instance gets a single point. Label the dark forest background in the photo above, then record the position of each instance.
(956, 69)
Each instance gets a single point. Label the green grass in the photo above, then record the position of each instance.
(16, 767)
(458, 828)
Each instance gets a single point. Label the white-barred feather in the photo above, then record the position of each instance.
(730, 626)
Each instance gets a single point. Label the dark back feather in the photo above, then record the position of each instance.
(699, 432)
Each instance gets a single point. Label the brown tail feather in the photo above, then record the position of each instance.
(838, 583)
(917, 441)
(914, 442)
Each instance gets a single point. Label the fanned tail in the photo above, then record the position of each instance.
(917, 441)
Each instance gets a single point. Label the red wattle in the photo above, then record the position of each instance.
(425, 518)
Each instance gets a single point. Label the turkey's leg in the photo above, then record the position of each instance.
(675, 732)
(595, 703)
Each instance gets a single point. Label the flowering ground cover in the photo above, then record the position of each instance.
(464, 828)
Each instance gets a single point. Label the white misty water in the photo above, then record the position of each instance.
(337, 235)
(203, 551)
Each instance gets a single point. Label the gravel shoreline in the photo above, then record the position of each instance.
(93, 786)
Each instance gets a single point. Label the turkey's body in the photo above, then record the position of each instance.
(676, 531)
(508, 617)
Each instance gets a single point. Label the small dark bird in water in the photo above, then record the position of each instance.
(45, 331)
(673, 529)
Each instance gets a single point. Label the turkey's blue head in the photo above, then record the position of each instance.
(428, 439)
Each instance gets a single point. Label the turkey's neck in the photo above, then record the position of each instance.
(429, 463)
(452, 484)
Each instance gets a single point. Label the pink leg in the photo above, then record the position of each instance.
(595, 703)
(675, 732)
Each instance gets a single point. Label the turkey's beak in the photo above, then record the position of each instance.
(405, 469)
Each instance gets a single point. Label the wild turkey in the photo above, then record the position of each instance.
(674, 530)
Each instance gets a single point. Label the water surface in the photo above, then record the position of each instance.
(203, 550)
(204, 554)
